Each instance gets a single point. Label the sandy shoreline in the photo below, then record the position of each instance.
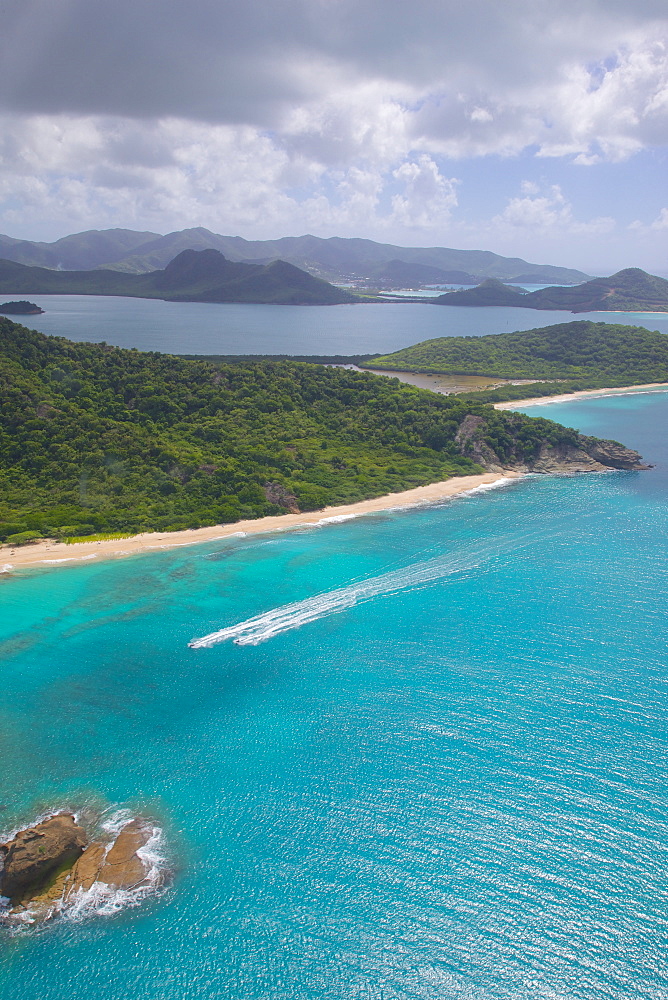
(48, 555)
(510, 404)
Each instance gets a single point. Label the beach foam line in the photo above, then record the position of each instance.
(336, 519)
(45, 554)
(265, 626)
(625, 390)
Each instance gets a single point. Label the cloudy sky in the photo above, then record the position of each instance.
(529, 127)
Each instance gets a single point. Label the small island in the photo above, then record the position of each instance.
(21, 308)
(49, 868)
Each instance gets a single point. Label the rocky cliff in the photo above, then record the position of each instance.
(579, 454)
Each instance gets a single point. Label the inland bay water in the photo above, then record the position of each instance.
(209, 328)
(448, 779)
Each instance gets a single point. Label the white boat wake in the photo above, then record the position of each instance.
(290, 616)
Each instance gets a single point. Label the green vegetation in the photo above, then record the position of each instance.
(23, 537)
(629, 290)
(193, 276)
(22, 308)
(100, 536)
(605, 354)
(96, 439)
(336, 259)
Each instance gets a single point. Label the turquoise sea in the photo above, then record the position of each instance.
(436, 768)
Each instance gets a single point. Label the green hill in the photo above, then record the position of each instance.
(626, 291)
(96, 438)
(335, 259)
(491, 292)
(81, 251)
(193, 276)
(630, 290)
(611, 353)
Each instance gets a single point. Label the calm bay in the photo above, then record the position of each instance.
(209, 328)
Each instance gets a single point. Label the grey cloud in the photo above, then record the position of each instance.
(138, 145)
(248, 62)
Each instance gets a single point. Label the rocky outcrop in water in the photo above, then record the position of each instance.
(118, 865)
(613, 455)
(579, 454)
(49, 865)
(34, 856)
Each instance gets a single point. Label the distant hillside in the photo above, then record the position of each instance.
(193, 276)
(610, 353)
(491, 292)
(82, 251)
(398, 272)
(629, 290)
(336, 259)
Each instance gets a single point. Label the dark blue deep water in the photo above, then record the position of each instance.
(449, 781)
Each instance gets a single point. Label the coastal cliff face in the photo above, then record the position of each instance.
(580, 454)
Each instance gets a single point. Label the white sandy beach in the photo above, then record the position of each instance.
(512, 404)
(50, 554)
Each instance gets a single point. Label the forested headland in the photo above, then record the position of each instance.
(96, 438)
(602, 354)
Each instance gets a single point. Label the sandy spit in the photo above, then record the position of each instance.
(512, 404)
(50, 554)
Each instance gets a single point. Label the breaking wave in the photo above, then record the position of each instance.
(290, 616)
(103, 900)
(100, 900)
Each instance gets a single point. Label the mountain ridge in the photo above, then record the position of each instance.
(335, 258)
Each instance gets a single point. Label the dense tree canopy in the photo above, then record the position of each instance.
(96, 438)
(610, 353)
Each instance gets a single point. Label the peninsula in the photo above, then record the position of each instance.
(97, 440)
(613, 353)
(630, 290)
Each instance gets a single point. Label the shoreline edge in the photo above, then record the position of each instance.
(51, 554)
(620, 390)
